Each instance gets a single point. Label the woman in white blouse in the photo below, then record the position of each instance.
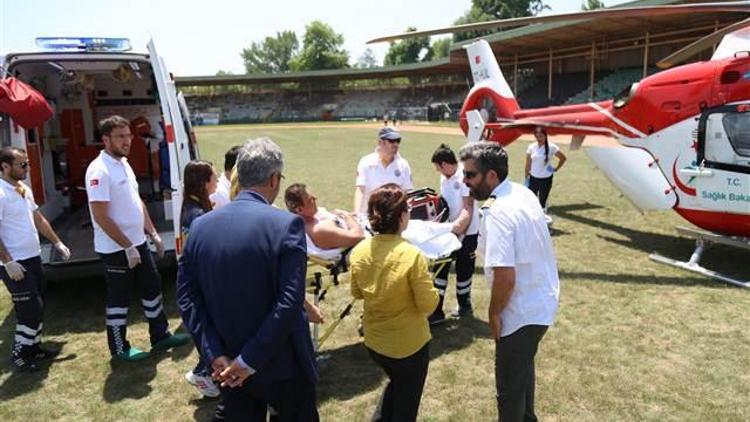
(539, 165)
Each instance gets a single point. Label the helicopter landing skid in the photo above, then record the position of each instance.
(702, 240)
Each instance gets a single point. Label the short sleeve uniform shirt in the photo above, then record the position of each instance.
(539, 168)
(112, 180)
(372, 174)
(454, 190)
(513, 233)
(17, 229)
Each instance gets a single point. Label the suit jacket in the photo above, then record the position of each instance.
(241, 288)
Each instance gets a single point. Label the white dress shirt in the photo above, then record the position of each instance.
(513, 233)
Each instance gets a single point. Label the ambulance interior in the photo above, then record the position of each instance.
(81, 93)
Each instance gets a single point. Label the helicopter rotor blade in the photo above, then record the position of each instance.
(701, 44)
(625, 12)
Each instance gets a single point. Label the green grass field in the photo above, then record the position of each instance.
(634, 340)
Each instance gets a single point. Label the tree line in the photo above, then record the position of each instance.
(322, 47)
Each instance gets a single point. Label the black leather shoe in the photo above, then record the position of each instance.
(23, 364)
(45, 354)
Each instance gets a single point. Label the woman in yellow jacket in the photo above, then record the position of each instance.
(391, 276)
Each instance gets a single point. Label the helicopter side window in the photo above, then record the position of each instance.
(737, 128)
(624, 96)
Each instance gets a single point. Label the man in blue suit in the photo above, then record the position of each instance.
(241, 289)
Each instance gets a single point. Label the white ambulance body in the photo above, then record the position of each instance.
(86, 80)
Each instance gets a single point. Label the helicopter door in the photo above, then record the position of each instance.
(724, 159)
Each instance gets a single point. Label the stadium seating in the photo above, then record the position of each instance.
(608, 86)
(403, 103)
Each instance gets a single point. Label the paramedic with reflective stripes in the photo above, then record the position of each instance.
(120, 221)
(383, 166)
(20, 251)
(464, 214)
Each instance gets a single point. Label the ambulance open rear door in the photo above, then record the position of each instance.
(178, 141)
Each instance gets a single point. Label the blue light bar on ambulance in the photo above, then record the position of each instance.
(83, 44)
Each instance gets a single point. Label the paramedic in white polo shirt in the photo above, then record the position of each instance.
(221, 196)
(21, 268)
(520, 266)
(121, 221)
(464, 214)
(385, 165)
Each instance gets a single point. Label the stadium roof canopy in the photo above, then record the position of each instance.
(524, 45)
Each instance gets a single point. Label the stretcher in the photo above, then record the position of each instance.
(435, 240)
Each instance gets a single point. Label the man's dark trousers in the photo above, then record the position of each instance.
(293, 400)
(514, 373)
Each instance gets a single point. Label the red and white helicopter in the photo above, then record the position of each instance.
(684, 132)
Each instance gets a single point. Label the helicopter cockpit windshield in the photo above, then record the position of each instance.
(624, 96)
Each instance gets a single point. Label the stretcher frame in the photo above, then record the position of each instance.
(319, 289)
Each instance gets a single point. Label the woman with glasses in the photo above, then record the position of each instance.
(385, 165)
(539, 165)
(391, 276)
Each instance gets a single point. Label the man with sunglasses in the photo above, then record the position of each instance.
(520, 267)
(21, 270)
(385, 165)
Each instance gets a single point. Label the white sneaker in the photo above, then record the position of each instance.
(204, 384)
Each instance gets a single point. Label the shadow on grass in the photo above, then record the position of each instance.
(349, 371)
(720, 258)
(77, 306)
(130, 380)
(687, 281)
(205, 408)
(19, 383)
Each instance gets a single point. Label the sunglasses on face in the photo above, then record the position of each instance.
(470, 174)
(394, 141)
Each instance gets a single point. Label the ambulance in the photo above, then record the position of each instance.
(85, 80)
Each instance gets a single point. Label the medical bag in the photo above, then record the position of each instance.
(427, 205)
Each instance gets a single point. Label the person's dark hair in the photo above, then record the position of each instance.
(106, 126)
(444, 154)
(197, 174)
(487, 156)
(385, 207)
(230, 158)
(546, 142)
(8, 155)
(294, 196)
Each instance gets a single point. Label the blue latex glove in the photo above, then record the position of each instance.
(527, 182)
(550, 168)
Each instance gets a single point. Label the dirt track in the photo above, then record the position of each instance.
(598, 141)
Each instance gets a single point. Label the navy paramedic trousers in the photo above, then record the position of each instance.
(28, 301)
(120, 280)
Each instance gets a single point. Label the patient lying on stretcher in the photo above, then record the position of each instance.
(325, 230)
